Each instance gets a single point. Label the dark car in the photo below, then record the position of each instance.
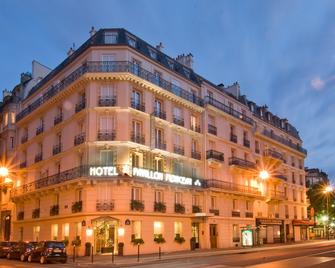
(21, 250)
(5, 247)
(48, 251)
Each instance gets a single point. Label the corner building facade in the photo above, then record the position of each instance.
(128, 142)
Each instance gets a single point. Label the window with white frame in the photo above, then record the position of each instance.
(106, 123)
(178, 198)
(106, 157)
(158, 228)
(136, 193)
(158, 196)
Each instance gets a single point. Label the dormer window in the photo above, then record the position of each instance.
(131, 41)
(111, 37)
(153, 53)
(187, 73)
(170, 62)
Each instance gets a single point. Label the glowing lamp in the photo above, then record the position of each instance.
(264, 175)
(89, 232)
(3, 171)
(120, 231)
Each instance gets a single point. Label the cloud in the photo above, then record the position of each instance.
(317, 83)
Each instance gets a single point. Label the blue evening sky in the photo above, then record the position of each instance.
(281, 52)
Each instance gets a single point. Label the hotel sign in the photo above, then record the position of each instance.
(111, 171)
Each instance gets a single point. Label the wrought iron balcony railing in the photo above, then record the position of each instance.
(79, 139)
(246, 143)
(138, 138)
(106, 135)
(137, 105)
(235, 161)
(38, 157)
(160, 114)
(80, 106)
(178, 149)
(212, 154)
(212, 129)
(233, 138)
(104, 205)
(39, 130)
(107, 101)
(57, 149)
(273, 154)
(196, 155)
(160, 145)
(178, 120)
(234, 187)
(195, 128)
(58, 118)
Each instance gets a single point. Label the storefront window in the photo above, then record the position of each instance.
(54, 231)
(36, 233)
(158, 228)
(66, 231)
(236, 233)
(178, 228)
(136, 232)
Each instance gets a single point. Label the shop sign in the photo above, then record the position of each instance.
(302, 222)
(247, 238)
(103, 171)
(268, 222)
(164, 177)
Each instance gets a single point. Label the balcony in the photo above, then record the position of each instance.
(77, 206)
(106, 135)
(57, 149)
(35, 213)
(24, 138)
(246, 143)
(23, 164)
(39, 130)
(178, 149)
(232, 187)
(213, 155)
(79, 139)
(249, 214)
(284, 141)
(235, 213)
(233, 138)
(80, 106)
(104, 205)
(140, 106)
(179, 208)
(20, 216)
(96, 67)
(137, 205)
(241, 163)
(58, 119)
(160, 145)
(216, 212)
(281, 177)
(54, 210)
(196, 155)
(196, 209)
(195, 128)
(273, 155)
(178, 120)
(221, 106)
(159, 207)
(277, 196)
(138, 138)
(38, 157)
(160, 114)
(212, 129)
(107, 101)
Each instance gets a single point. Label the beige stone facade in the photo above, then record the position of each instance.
(130, 143)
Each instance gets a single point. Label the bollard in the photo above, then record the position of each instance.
(112, 254)
(159, 253)
(74, 254)
(138, 252)
(92, 254)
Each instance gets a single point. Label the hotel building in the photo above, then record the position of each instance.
(125, 141)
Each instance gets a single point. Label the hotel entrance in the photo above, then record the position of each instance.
(195, 233)
(105, 234)
(213, 235)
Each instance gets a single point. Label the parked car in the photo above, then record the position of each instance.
(4, 248)
(21, 250)
(48, 251)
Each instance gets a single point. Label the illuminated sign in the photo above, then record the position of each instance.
(103, 171)
(247, 238)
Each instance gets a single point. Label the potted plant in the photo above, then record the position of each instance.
(159, 239)
(137, 242)
(66, 241)
(179, 239)
(76, 242)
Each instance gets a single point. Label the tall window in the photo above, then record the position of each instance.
(178, 198)
(195, 200)
(178, 228)
(136, 160)
(158, 76)
(235, 204)
(136, 229)
(36, 233)
(137, 128)
(54, 231)
(158, 196)
(236, 233)
(66, 230)
(136, 66)
(177, 113)
(158, 106)
(158, 228)
(248, 205)
(137, 98)
(136, 193)
(213, 202)
(158, 162)
(193, 122)
(106, 123)
(159, 137)
(111, 37)
(106, 91)
(106, 157)
(194, 145)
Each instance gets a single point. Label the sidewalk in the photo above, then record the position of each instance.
(153, 258)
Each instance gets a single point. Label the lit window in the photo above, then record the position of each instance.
(136, 230)
(178, 198)
(178, 228)
(36, 233)
(136, 193)
(66, 230)
(158, 228)
(54, 231)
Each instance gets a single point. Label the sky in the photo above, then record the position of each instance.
(282, 53)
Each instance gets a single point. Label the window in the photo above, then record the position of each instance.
(77, 229)
(159, 137)
(158, 228)
(211, 120)
(136, 67)
(195, 200)
(36, 233)
(248, 205)
(178, 198)
(79, 195)
(213, 202)
(111, 37)
(302, 213)
(136, 193)
(178, 228)
(136, 229)
(158, 162)
(106, 157)
(65, 230)
(177, 168)
(170, 63)
(153, 53)
(210, 95)
(12, 142)
(194, 145)
(106, 123)
(158, 196)
(59, 138)
(236, 233)
(235, 204)
(158, 77)
(137, 128)
(106, 91)
(136, 160)
(286, 212)
(54, 231)
(56, 199)
(233, 152)
(137, 97)
(177, 113)
(295, 212)
(193, 122)
(187, 72)
(12, 117)
(131, 41)
(257, 147)
(6, 119)
(158, 106)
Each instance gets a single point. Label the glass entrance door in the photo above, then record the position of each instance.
(105, 236)
(195, 233)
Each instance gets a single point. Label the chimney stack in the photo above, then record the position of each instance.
(186, 60)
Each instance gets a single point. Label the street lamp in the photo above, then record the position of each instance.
(4, 172)
(327, 191)
(264, 174)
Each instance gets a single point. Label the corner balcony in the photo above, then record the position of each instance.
(212, 129)
(58, 119)
(214, 158)
(178, 149)
(80, 106)
(39, 130)
(231, 187)
(178, 120)
(273, 157)
(140, 106)
(107, 101)
(138, 138)
(57, 149)
(196, 155)
(159, 113)
(276, 196)
(104, 205)
(241, 164)
(106, 135)
(79, 139)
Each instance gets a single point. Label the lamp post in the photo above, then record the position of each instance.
(327, 191)
(89, 233)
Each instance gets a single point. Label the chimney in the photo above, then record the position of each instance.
(25, 77)
(5, 93)
(71, 50)
(160, 46)
(92, 31)
(234, 89)
(186, 60)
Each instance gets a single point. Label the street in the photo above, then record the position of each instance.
(311, 255)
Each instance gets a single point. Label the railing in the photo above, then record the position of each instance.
(221, 106)
(235, 213)
(24, 138)
(107, 101)
(179, 208)
(233, 138)
(178, 120)
(277, 195)
(159, 113)
(284, 141)
(178, 149)
(281, 176)
(137, 205)
(273, 154)
(212, 129)
(106, 135)
(137, 105)
(160, 207)
(77, 206)
(195, 128)
(58, 118)
(138, 138)
(216, 212)
(249, 214)
(39, 130)
(54, 210)
(160, 145)
(246, 143)
(38, 157)
(212, 154)
(235, 161)
(57, 149)
(196, 155)
(196, 209)
(23, 164)
(234, 187)
(113, 66)
(79, 139)
(104, 205)
(80, 106)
